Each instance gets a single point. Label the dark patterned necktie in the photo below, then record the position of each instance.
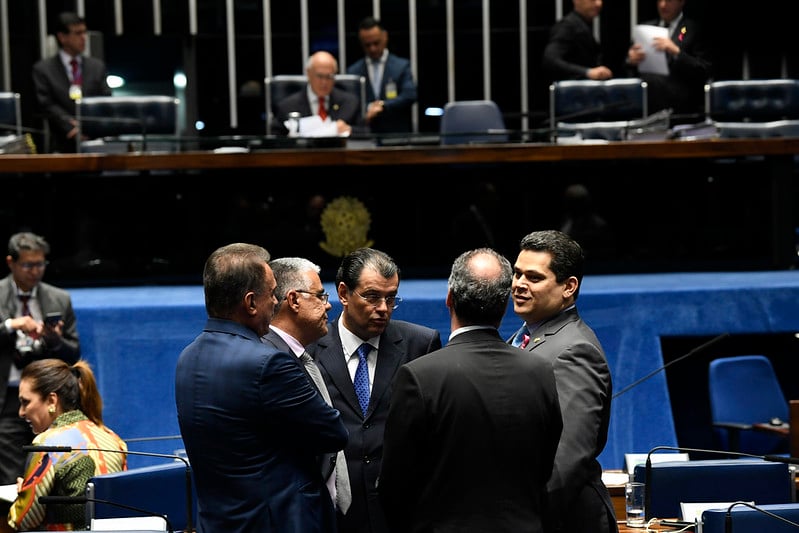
(26, 311)
(362, 377)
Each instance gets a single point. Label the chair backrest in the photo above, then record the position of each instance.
(671, 483)
(472, 121)
(745, 390)
(10, 114)
(113, 116)
(744, 519)
(758, 130)
(580, 101)
(752, 100)
(159, 489)
(280, 86)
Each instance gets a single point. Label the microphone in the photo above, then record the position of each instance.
(72, 500)
(648, 464)
(36, 448)
(696, 350)
(728, 516)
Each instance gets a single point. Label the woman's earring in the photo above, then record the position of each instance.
(51, 409)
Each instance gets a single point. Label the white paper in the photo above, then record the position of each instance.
(132, 523)
(314, 126)
(631, 460)
(692, 512)
(655, 60)
(8, 492)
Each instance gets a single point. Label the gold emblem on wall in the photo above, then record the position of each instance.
(345, 222)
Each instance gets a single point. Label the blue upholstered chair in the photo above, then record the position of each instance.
(596, 109)
(670, 483)
(743, 391)
(125, 120)
(754, 108)
(160, 489)
(472, 121)
(10, 114)
(280, 86)
(744, 519)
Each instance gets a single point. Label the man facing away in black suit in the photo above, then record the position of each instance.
(473, 428)
(546, 282)
(25, 336)
(367, 283)
(59, 83)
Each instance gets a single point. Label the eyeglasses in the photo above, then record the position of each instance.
(27, 265)
(321, 295)
(392, 302)
(327, 77)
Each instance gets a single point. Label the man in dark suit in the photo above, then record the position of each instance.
(391, 90)
(472, 430)
(365, 345)
(688, 57)
(58, 83)
(300, 319)
(25, 336)
(572, 53)
(338, 105)
(546, 282)
(252, 423)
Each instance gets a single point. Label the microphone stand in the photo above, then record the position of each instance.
(72, 500)
(728, 516)
(189, 507)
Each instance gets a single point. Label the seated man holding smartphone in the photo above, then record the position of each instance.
(37, 321)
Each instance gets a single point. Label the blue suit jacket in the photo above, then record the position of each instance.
(253, 426)
(52, 94)
(396, 115)
(400, 342)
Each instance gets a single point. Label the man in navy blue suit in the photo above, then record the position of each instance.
(367, 283)
(391, 90)
(253, 424)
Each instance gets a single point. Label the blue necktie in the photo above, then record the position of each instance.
(362, 377)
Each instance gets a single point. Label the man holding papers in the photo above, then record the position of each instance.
(669, 53)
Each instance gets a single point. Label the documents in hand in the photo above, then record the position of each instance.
(655, 60)
(8, 492)
(313, 126)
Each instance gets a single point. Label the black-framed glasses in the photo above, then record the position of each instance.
(29, 265)
(321, 295)
(392, 302)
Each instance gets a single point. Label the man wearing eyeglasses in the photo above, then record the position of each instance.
(301, 318)
(320, 98)
(27, 335)
(358, 358)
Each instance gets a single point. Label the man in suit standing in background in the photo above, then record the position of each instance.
(391, 90)
(253, 425)
(358, 358)
(546, 282)
(473, 428)
(65, 77)
(25, 336)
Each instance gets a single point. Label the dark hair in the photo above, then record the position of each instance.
(75, 385)
(67, 19)
(567, 255)
(26, 241)
(349, 272)
(476, 298)
(231, 272)
(367, 23)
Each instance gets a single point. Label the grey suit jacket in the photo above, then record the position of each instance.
(400, 342)
(52, 95)
(51, 299)
(576, 490)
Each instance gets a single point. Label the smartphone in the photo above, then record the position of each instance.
(52, 319)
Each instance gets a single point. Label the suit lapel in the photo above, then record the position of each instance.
(330, 357)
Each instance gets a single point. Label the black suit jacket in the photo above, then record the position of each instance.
(571, 49)
(470, 439)
(400, 342)
(342, 105)
(52, 95)
(683, 89)
(576, 492)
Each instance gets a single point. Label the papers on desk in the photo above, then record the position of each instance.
(692, 512)
(654, 61)
(8, 492)
(314, 126)
(631, 460)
